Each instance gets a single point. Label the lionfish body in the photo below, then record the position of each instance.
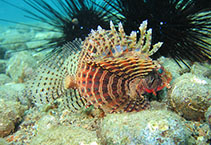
(112, 72)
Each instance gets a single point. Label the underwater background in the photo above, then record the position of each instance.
(8, 12)
(156, 83)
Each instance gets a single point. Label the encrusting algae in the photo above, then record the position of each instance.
(109, 70)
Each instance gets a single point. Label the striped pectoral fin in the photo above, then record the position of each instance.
(88, 81)
(100, 87)
(137, 104)
(73, 100)
(121, 103)
(127, 68)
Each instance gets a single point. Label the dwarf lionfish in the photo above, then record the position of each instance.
(109, 70)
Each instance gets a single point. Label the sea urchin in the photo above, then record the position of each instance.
(183, 25)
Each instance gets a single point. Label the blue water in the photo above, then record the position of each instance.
(8, 12)
(13, 13)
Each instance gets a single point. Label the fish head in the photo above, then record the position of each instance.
(155, 81)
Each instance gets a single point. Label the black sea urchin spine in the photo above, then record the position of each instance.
(183, 25)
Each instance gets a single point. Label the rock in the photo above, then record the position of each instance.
(15, 37)
(48, 127)
(13, 40)
(11, 114)
(204, 135)
(208, 116)
(65, 135)
(4, 79)
(6, 127)
(2, 52)
(20, 37)
(11, 92)
(190, 96)
(3, 64)
(171, 66)
(3, 142)
(202, 69)
(20, 66)
(41, 39)
(200, 132)
(145, 127)
(45, 123)
(39, 56)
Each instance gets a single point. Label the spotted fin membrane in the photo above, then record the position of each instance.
(48, 85)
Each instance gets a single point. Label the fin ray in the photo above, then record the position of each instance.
(47, 83)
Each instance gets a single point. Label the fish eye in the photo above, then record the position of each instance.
(160, 70)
